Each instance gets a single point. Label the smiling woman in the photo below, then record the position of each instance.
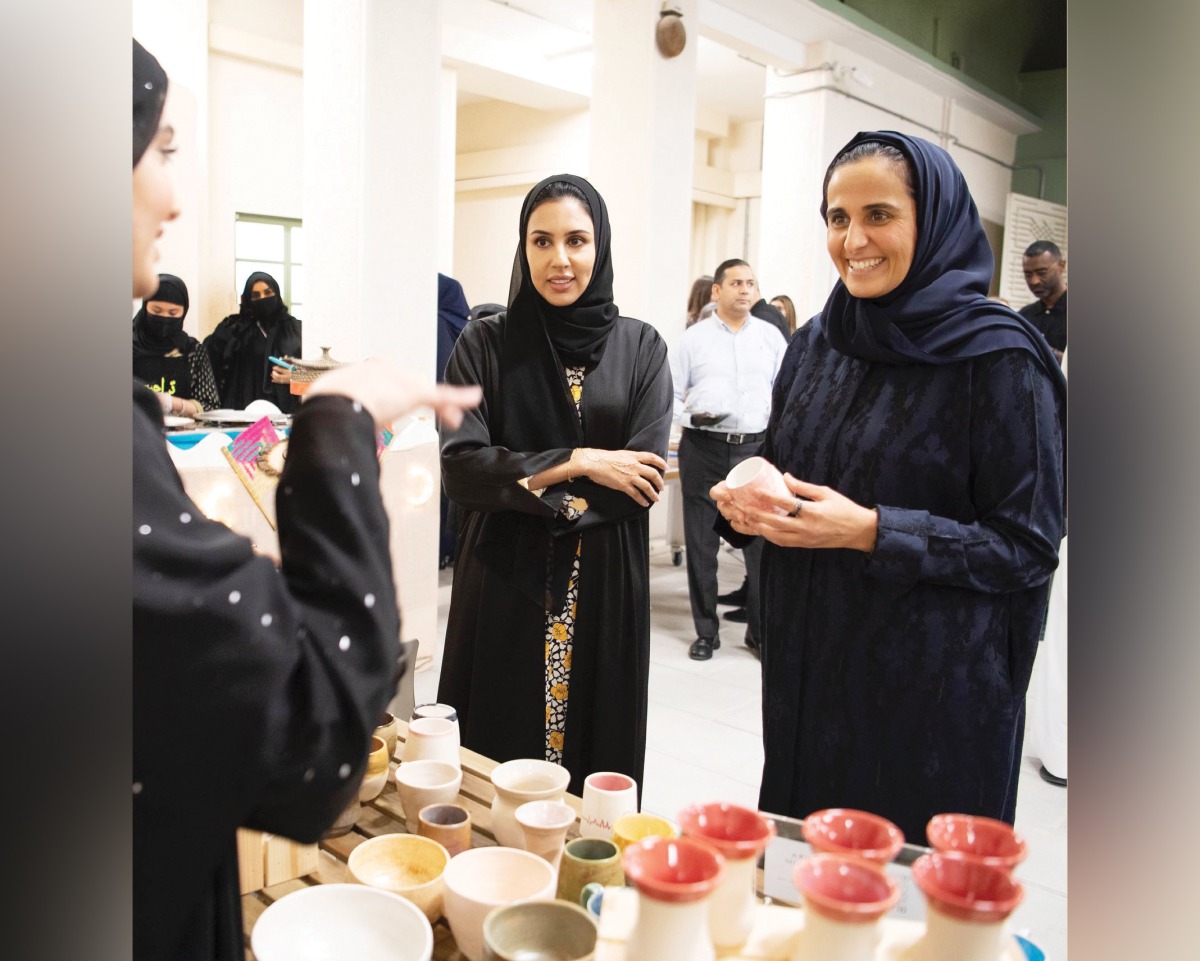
(923, 425)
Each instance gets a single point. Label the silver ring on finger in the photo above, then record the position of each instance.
(795, 511)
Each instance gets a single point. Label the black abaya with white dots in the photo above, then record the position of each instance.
(255, 689)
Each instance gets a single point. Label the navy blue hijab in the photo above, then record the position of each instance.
(940, 313)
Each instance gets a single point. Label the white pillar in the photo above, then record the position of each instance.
(177, 34)
(372, 94)
(372, 105)
(448, 142)
(795, 154)
(643, 118)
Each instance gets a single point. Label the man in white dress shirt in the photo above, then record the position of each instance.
(723, 368)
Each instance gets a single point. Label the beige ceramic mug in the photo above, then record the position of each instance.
(539, 929)
(448, 824)
(585, 860)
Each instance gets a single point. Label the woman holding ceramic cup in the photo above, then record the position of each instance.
(548, 639)
(921, 429)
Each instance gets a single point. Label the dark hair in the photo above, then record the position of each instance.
(789, 310)
(871, 148)
(1039, 247)
(719, 274)
(557, 190)
(700, 295)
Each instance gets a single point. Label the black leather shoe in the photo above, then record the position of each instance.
(735, 598)
(702, 648)
(738, 615)
(1051, 778)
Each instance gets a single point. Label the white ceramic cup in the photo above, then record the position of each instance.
(606, 796)
(481, 879)
(519, 781)
(752, 480)
(432, 739)
(545, 825)
(424, 782)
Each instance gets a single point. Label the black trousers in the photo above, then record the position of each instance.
(703, 461)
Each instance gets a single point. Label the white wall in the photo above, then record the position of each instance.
(503, 150)
(256, 162)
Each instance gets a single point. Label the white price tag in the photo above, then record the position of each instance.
(781, 857)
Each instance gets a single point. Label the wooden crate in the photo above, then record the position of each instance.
(266, 859)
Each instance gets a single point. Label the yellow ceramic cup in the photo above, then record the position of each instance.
(631, 828)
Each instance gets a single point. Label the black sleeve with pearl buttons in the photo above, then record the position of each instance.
(255, 688)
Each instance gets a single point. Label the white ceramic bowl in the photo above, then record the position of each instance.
(335, 922)
(481, 879)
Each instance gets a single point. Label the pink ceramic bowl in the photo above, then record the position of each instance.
(966, 890)
(986, 840)
(853, 833)
(675, 870)
(737, 832)
(845, 889)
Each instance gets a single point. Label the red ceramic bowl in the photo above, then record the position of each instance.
(675, 870)
(845, 889)
(854, 833)
(986, 840)
(965, 889)
(737, 832)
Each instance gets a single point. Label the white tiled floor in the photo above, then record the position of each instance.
(705, 727)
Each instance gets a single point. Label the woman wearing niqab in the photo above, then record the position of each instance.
(241, 344)
(255, 688)
(166, 358)
(923, 429)
(547, 643)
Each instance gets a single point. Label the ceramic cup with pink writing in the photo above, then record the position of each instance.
(754, 481)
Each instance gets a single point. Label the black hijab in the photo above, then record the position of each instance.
(155, 336)
(242, 343)
(580, 330)
(149, 92)
(940, 313)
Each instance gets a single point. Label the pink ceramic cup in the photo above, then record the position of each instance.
(845, 889)
(753, 481)
(672, 870)
(853, 833)
(966, 890)
(987, 840)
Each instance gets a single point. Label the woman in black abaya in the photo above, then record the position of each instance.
(242, 342)
(255, 688)
(168, 360)
(547, 645)
(922, 429)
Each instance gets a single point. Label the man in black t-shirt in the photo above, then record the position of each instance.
(1043, 264)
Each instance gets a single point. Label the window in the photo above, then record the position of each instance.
(274, 245)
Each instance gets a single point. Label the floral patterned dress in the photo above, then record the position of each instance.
(560, 627)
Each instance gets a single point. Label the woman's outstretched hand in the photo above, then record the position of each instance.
(389, 392)
(634, 472)
(826, 518)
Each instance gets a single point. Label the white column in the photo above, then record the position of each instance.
(177, 34)
(791, 248)
(372, 105)
(448, 146)
(643, 118)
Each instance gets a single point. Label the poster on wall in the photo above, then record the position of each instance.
(1027, 219)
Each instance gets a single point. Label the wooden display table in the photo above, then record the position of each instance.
(384, 815)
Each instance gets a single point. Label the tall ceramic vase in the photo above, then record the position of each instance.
(674, 877)
(969, 905)
(740, 835)
(845, 898)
